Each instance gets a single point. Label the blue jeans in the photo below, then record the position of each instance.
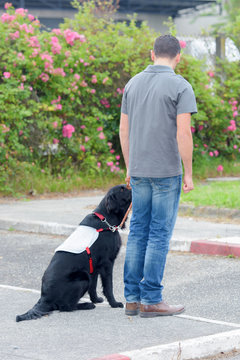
(154, 212)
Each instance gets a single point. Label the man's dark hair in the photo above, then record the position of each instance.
(166, 46)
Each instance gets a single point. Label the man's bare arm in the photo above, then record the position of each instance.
(124, 140)
(185, 146)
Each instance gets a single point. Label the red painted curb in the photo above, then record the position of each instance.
(113, 357)
(214, 248)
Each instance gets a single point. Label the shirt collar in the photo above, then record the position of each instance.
(158, 69)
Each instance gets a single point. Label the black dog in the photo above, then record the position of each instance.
(70, 275)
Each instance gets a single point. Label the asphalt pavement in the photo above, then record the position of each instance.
(208, 286)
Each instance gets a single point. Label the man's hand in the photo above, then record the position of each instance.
(187, 184)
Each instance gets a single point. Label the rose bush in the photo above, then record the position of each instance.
(60, 92)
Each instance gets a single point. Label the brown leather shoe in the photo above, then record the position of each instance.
(132, 309)
(161, 309)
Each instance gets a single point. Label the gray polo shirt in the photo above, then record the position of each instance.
(152, 100)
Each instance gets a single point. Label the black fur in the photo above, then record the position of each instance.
(68, 277)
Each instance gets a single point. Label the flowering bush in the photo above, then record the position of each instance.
(60, 91)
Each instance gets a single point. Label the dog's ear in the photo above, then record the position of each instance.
(111, 203)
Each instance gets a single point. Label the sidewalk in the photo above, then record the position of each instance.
(191, 335)
(61, 216)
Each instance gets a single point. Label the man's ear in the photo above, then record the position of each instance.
(152, 55)
(111, 203)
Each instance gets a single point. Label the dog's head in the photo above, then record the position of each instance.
(118, 200)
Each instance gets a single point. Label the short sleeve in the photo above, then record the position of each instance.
(124, 103)
(186, 101)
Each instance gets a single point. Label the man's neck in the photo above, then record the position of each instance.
(164, 62)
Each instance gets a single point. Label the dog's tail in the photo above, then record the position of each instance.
(36, 312)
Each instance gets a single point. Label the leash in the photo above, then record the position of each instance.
(112, 228)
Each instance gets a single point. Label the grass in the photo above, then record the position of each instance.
(25, 180)
(218, 194)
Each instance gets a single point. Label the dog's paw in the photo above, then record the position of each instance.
(97, 300)
(117, 305)
(85, 306)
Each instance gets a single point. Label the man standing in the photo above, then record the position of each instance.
(155, 133)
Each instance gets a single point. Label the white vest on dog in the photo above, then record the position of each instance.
(79, 240)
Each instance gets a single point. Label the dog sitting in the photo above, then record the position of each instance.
(71, 274)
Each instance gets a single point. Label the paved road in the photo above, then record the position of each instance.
(208, 286)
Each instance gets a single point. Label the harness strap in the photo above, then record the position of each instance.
(100, 216)
(90, 260)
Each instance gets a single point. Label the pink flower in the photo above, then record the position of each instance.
(200, 128)
(101, 136)
(7, 5)
(110, 163)
(55, 124)
(21, 86)
(100, 128)
(55, 141)
(56, 47)
(193, 129)
(183, 44)
(58, 107)
(105, 80)
(20, 56)
(33, 42)
(94, 79)
(92, 91)
(83, 127)
(216, 153)
(205, 145)
(112, 151)
(86, 64)
(87, 138)
(235, 114)
(47, 57)
(206, 86)
(76, 76)
(57, 31)
(20, 132)
(30, 17)
(235, 146)
(82, 148)
(21, 11)
(14, 36)
(67, 130)
(83, 84)
(220, 168)
(23, 78)
(7, 18)
(7, 74)
(44, 77)
(109, 144)
(211, 73)
(118, 157)
(119, 91)
(59, 71)
(4, 129)
(99, 164)
(211, 154)
(72, 36)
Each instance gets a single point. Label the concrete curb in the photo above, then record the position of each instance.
(208, 212)
(190, 349)
(223, 246)
(37, 227)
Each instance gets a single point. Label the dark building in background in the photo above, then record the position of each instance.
(52, 12)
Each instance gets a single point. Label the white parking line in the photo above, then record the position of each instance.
(105, 303)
